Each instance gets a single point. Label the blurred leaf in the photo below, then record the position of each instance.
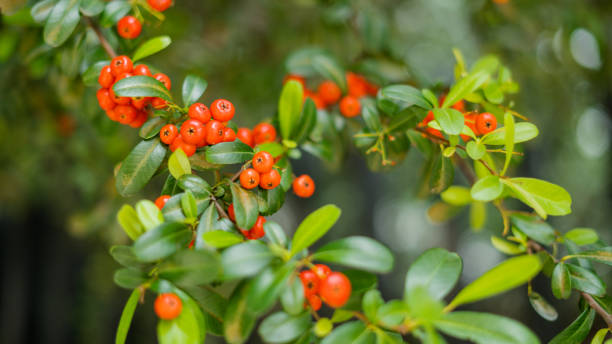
(393, 313)
(246, 259)
(162, 241)
(92, 7)
(465, 86)
(424, 306)
(199, 163)
(542, 307)
(245, 206)
(475, 150)
(128, 219)
(281, 327)
(125, 256)
(599, 337)
(578, 330)
(493, 93)
(267, 286)
(329, 68)
(450, 120)
(188, 204)
(561, 281)
(152, 46)
(405, 94)
(357, 252)
(206, 224)
(149, 214)
(509, 125)
(307, 122)
(191, 267)
(212, 303)
(314, 226)
(487, 189)
(456, 195)
(534, 228)
(193, 88)
(41, 10)
(506, 247)
(141, 86)
(442, 174)
(523, 131)
(129, 278)
(372, 300)
(371, 116)
(151, 127)
(349, 333)
(361, 280)
(290, 107)
(187, 328)
(582, 236)
(238, 321)
(114, 11)
(437, 270)
(601, 255)
(173, 210)
(586, 281)
(229, 153)
(62, 21)
(478, 215)
(292, 297)
(126, 317)
(544, 197)
(178, 164)
(222, 239)
(274, 148)
(90, 77)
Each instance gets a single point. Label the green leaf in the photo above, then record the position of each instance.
(465, 86)
(194, 183)
(92, 7)
(149, 214)
(582, 236)
(162, 241)
(393, 313)
(371, 116)
(151, 127)
(114, 11)
(188, 204)
(238, 321)
(544, 197)
(126, 317)
(450, 120)
(534, 228)
(292, 297)
(586, 281)
(406, 95)
(191, 267)
(478, 215)
(372, 301)
(523, 131)
(506, 246)
(599, 337)
(212, 303)
(125, 256)
(206, 224)
(152, 46)
(602, 255)
(141, 86)
(272, 201)
(561, 282)
(505, 276)
(423, 306)
(442, 174)
(542, 307)
(90, 76)
(229, 153)
(485, 328)
(245, 259)
(178, 164)
(129, 278)
(281, 327)
(193, 88)
(357, 252)
(475, 150)
(62, 21)
(267, 286)
(199, 163)
(245, 206)
(41, 10)
(487, 189)
(437, 270)
(313, 227)
(404, 120)
(329, 68)
(128, 219)
(173, 210)
(456, 195)
(139, 166)
(493, 92)
(350, 332)
(578, 330)
(509, 125)
(188, 328)
(275, 233)
(290, 107)
(307, 121)
(222, 239)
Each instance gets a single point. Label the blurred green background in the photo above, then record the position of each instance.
(58, 149)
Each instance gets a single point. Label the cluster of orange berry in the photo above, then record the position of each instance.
(204, 127)
(322, 284)
(261, 133)
(126, 110)
(262, 173)
(256, 232)
(129, 27)
(329, 93)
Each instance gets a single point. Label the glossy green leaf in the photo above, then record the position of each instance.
(487, 189)
(178, 164)
(194, 183)
(162, 241)
(173, 210)
(92, 7)
(281, 327)
(542, 307)
(361, 280)
(114, 11)
(229, 153)
(357, 252)
(586, 280)
(561, 282)
(128, 219)
(199, 163)
(578, 330)
(523, 131)
(292, 297)
(126, 317)
(307, 122)
(191, 267)
(544, 197)
(125, 256)
(129, 278)
(274, 148)
(350, 332)
(141, 86)
(152, 46)
(406, 95)
(465, 86)
(267, 286)
(151, 127)
(206, 224)
(139, 166)
(246, 259)
(509, 125)
(582, 236)
(222, 239)
(485, 328)
(212, 304)
(245, 206)
(423, 305)
(475, 150)
(238, 321)
(271, 201)
(188, 204)
(62, 21)
(599, 337)
(290, 107)
(437, 270)
(450, 120)
(41, 10)
(193, 88)
(149, 214)
(314, 226)
(601, 255)
(393, 313)
(507, 275)
(534, 228)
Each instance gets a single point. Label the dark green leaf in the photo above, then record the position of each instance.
(129, 278)
(92, 7)
(290, 107)
(361, 280)
(194, 183)
(561, 282)
(114, 11)
(125, 256)
(141, 86)
(152, 46)
(62, 20)
(139, 166)
(212, 303)
(534, 228)
(162, 241)
(292, 297)
(193, 88)
(406, 95)
(229, 153)
(307, 121)
(238, 320)
(246, 259)
(266, 287)
(173, 210)
(206, 224)
(465, 86)
(272, 201)
(151, 127)
(586, 281)
(313, 227)
(281, 327)
(442, 174)
(357, 252)
(602, 255)
(437, 270)
(578, 330)
(405, 119)
(41, 11)
(126, 317)
(199, 163)
(351, 332)
(245, 206)
(191, 267)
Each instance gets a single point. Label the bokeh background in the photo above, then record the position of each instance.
(58, 150)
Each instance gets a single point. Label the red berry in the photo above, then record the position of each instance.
(231, 213)
(177, 143)
(160, 5)
(257, 231)
(188, 149)
(229, 135)
(112, 115)
(335, 290)
(321, 270)
(485, 123)
(193, 131)
(168, 306)
(263, 162)
(129, 27)
(270, 179)
(357, 85)
(164, 79)
(139, 102)
(249, 178)
(119, 100)
(319, 103)
(125, 113)
(168, 133)
(105, 100)
(222, 110)
(200, 112)
(314, 301)
(121, 64)
(329, 92)
(141, 118)
(214, 132)
(350, 106)
(264, 132)
(159, 103)
(295, 77)
(470, 121)
(142, 70)
(303, 186)
(160, 202)
(310, 281)
(246, 136)
(106, 78)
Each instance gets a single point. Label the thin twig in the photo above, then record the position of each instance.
(105, 45)
(602, 312)
(219, 207)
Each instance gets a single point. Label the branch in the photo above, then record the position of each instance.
(219, 208)
(602, 312)
(105, 45)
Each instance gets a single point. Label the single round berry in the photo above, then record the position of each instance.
(222, 110)
(229, 135)
(335, 290)
(177, 143)
(105, 100)
(357, 85)
(106, 78)
(264, 132)
(142, 70)
(270, 179)
(125, 113)
(193, 131)
(112, 115)
(164, 79)
(168, 306)
(168, 133)
(129, 27)
(310, 282)
(329, 92)
(263, 162)
(141, 118)
(246, 136)
(160, 5)
(160, 202)
(188, 148)
(121, 64)
(257, 231)
(249, 178)
(486, 123)
(321, 270)
(231, 213)
(303, 186)
(214, 132)
(314, 301)
(350, 106)
(200, 112)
